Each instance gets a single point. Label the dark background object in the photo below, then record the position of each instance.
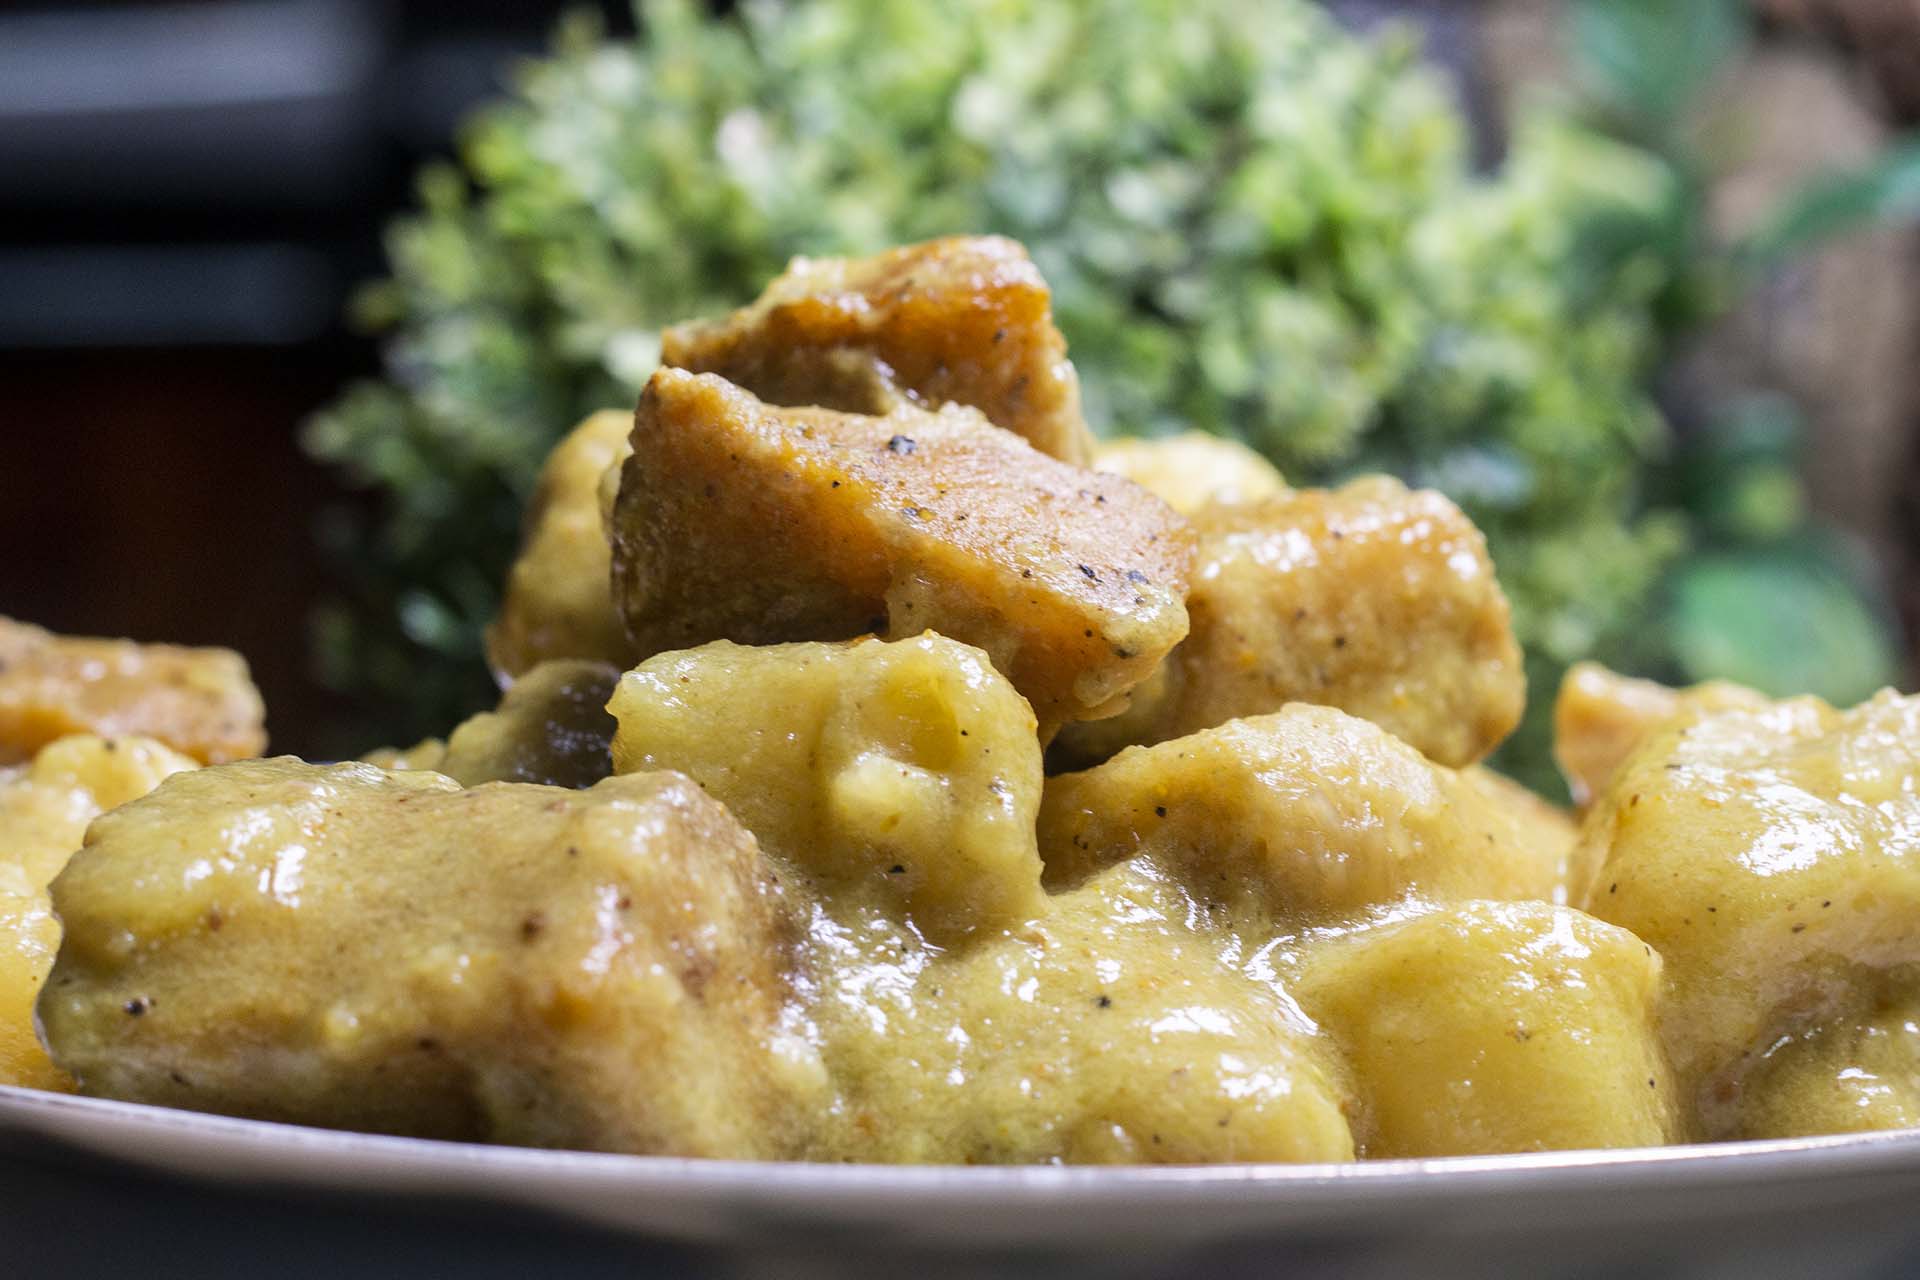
(188, 191)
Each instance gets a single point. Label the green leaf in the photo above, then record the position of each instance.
(1885, 190)
(1648, 59)
(1783, 622)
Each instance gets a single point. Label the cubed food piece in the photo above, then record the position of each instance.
(200, 702)
(1495, 1027)
(739, 521)
(908, 771)
(1303, 817)
(1599, 717)
(45, 807)
(1192, 471)
(1370, 598)
(558, 601)
(964, 320)
(1857, 1072)
(335, 945)
(551, 727)
(1110, 1031)
(1772, 858)
(428, 753)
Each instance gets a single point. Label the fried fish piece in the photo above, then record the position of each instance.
(558, 602)
(1370, 598)
(1493, 1027)
(335, 945)
(45, 807)
(739, 521)
(961, 320)
(1772, 857)
(551, 727)
(1298, 819)
(1600, 716)
(1193, 470)
(198, 701)
(910, 768)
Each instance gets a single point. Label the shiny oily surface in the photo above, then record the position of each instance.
(45, 807)
(1772, 858)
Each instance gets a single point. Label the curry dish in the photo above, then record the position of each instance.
(888, 771)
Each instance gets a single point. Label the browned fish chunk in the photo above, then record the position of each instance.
(557, 603)
(1370, 598)
(963, 320)
(197, 701)
(739, 521)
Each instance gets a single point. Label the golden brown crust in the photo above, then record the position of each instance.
(1600, 716)
(197, 701)
(557, 603)
(736, 520)
(962, 320)
(1370, 598)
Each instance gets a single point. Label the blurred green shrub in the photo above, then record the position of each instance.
(1253, 222)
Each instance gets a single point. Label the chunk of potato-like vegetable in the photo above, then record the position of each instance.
(44, 810)
(335, 945)
(1772, 857)
(962, 320)
(1108, 1031)
(1305, 816)
(558, 601)
(1495, 1027)
(740, 521)
(1192, 471)
(1599, 717)
(908, 768)
(200, 702)
(1370, 598)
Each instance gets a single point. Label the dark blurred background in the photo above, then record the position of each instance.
(188, 192)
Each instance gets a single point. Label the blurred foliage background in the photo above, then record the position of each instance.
(1254, 221)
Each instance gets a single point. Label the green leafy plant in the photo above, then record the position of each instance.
(1253, 222)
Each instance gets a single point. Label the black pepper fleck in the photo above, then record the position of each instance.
(901, 445)
(1105, 1002)
(137, 1006)
(1159, 811)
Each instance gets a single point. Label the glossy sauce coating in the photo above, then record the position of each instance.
(336, 945)
(45, 807)
(1772, 858)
